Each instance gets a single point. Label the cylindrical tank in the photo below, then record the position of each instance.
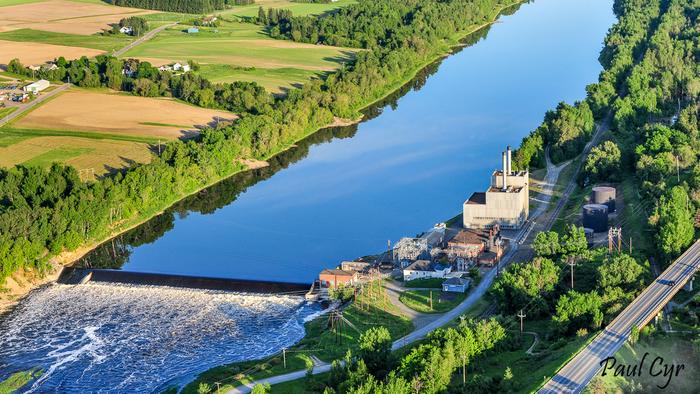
(595, 217)
(604, 195)
(589, 235)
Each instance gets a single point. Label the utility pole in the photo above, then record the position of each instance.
(284, 357)
(431, 300)
(630, 245)
(678, 170)
(571, 261)
(218, 387)
(521, 315)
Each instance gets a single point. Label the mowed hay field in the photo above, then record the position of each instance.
(115, 113)
(37, 53)
(99, 131)
(244, 48)
(298, 9)
(63, 16)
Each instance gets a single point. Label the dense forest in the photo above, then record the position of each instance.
(651, 90)
(44, 212)
(186, 6)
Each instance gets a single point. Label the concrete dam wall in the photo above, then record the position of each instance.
(76, 276)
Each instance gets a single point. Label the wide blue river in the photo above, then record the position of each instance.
(393, 175)
(340, 194)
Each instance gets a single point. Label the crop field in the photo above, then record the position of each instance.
(62, 16)
(113, 113)
(298, 9)
(37, 53)
(99, 131)
(247, 51)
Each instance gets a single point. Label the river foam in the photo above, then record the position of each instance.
(123, 338)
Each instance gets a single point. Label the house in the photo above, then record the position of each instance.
(334, 277)
(126, 30)
(181, 67)
(357, 266)
(34, 67)
(192, 30)
(37, 86)
(456, 285)
(425, 269)
(165, 68)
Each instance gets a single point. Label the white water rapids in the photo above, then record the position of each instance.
(129, 339)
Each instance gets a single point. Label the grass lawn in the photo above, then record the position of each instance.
(243, 51)
(298, 9)
(299, 386)
(419, 300)
(17, 380)
(435, 283)
(235, 374)
(6, 111)
(95, 41)
(673, 348)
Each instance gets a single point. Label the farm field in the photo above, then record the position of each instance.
(109, 112)
(63, 16)
(249, 53)
(37, 53)
(98, 131)
(298, 9)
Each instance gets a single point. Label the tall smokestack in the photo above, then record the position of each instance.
(510, 168)
(505, 167)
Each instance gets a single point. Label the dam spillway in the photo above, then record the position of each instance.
(74, 276)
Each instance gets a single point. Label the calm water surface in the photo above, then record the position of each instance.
(400, 173)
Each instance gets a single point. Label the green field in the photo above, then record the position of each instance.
(243, 51)
(298, 9)
(419, 300)
(5, 3)
(95, 41)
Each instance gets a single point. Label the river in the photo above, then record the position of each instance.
(340, 194)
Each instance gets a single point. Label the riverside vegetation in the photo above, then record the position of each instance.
(46, 212)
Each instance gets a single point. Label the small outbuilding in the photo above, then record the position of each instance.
(456, 285)
(425, 269)
(192, 30)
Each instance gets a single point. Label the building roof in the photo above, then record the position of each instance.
(454, 281)
(477, 198)
(337, 272)
(471, 237)
(420, 265)
(488, 256)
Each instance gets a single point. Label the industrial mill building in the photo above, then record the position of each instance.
(506, 202)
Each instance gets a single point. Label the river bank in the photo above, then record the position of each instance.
(27, 281)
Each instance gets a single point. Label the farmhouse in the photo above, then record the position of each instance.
(126, 30)
(37, 86)
(456, 285)
(181, 67)
(505, 203)
(334, 277)
(425, 269)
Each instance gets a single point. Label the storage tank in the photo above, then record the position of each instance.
(604, 195)
(589, 235)
(595, 217)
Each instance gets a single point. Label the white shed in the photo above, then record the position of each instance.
(37, 86)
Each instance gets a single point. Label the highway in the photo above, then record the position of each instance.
(574, 376)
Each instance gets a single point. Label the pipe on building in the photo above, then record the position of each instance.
(505, 167)
(510, 168)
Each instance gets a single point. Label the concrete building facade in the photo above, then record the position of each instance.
(505, 203)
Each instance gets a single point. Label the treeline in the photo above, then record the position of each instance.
(428, 368)
(625, 41)
(603, 284)
(266, 126)
(141, 78)
(137, 24)
(186, 6)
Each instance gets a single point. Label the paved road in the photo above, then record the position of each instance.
(26, 107)
(574, 376)
(142, 39)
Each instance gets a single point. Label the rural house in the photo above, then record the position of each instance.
(425, 269)
(456, 285)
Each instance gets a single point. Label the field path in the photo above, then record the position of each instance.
(41, 98)
(142, 39)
